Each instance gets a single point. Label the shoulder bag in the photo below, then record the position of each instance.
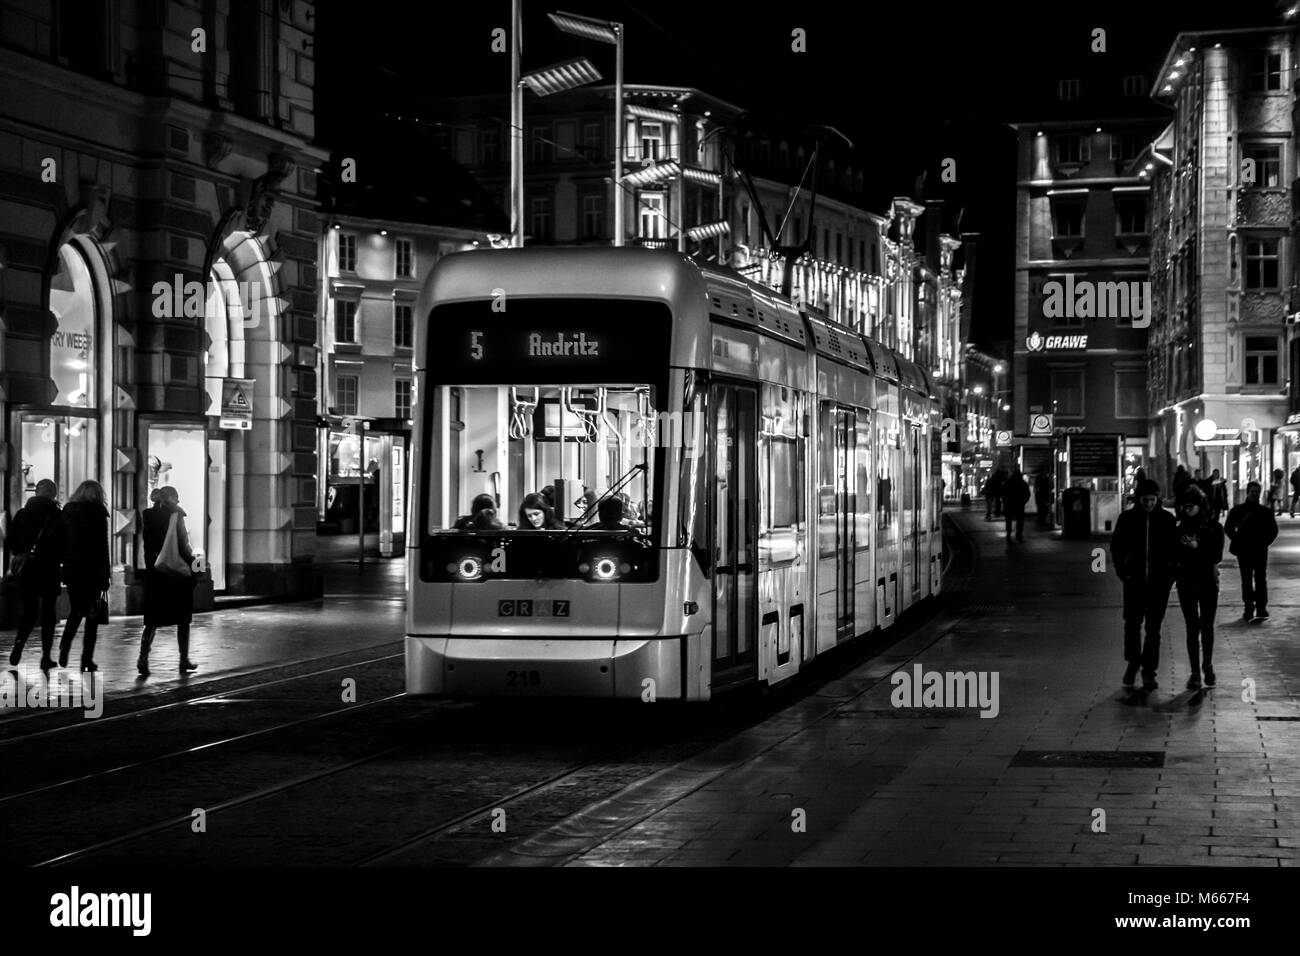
(169, 561)
(20, 562)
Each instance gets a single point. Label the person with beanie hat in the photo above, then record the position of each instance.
(1196, 558)
(1142, 550)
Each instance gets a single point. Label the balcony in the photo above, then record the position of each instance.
(1262, 207)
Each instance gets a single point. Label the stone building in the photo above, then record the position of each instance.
(158, 238)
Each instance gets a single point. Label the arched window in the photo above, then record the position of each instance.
(72, 346)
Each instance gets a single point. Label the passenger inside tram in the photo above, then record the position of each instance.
(481, 503)
(550, 454)
(536, 514)
(611, 512)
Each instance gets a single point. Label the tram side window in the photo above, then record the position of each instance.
(782, 442)
(826, 533)
(862, 471)
(886, 436)
(692, 498)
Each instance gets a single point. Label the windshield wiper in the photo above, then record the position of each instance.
(613, 489)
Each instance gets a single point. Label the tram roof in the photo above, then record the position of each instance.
(662, 275)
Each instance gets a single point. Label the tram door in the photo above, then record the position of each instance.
(845, 546)
(734, 533)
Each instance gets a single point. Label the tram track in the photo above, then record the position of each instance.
(466, 803)
(149, 710)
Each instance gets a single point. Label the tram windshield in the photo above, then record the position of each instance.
(545, 458)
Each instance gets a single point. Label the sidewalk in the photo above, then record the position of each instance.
(362, 607)
(1071, 771)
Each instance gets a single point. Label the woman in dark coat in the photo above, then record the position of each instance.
(167, 600)
(85, 567)
(1197, 556)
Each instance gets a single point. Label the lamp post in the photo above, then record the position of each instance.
(516, 128)
(604, 31)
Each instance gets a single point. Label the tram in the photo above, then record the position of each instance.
(691, 484)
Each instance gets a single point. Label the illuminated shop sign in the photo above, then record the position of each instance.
(1037, 342)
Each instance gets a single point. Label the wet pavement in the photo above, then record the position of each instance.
(362, 607)
(1212, 778)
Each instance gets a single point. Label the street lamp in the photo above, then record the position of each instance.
(561, 77)
(604, 31)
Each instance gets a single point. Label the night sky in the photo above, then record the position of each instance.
(909, 83)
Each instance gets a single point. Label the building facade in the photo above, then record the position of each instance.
(158, 238)
(1082, 290)
(1223, 350)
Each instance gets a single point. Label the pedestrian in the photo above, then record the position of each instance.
(993, 495)
(1275, 492)
(1252, 528)
(1181, 480)
(85, 568)
(1142, 551)
(169, 582)
(35, 543)
(1295, 489)
(1206, 486)
(1218, 496)
(1015, 495)
(1043, 497)
(1196, 557)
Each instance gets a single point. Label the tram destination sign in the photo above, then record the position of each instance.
(539, 338)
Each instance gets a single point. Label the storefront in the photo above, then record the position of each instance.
(367, 466)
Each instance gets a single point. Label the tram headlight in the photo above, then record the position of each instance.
(605, 569)
(468, 568)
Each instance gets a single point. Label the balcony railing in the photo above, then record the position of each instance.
(1263, 207)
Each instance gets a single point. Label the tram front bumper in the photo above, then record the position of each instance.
(537, 667)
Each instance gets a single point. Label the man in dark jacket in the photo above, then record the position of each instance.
(1043, 497)
(1251, 528)
(37, 526)
(1295, 489)
(1142, 550)
(1015, 494)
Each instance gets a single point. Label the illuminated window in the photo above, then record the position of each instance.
(652, 215)
(652, 140)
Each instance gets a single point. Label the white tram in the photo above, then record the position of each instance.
(778, 473)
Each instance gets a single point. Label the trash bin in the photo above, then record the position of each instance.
(965, 500)
(1076, 506)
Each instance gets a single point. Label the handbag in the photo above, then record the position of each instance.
(19, 562)
(169, 560)
(99, 609)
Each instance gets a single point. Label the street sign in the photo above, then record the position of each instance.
(237, 404)
(1004, 439)
(1041, 425)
